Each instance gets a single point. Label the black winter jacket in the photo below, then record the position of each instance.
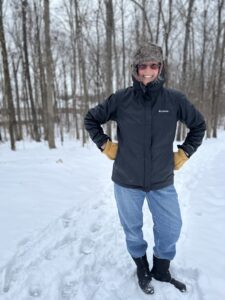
(146, 118)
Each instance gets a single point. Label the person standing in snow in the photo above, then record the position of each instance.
(144, 162)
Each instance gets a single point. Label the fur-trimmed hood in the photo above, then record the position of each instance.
(146, 52)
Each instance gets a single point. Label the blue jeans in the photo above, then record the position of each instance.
(165, 210)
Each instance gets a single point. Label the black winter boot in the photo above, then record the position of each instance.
(160, 271)
(143, 274)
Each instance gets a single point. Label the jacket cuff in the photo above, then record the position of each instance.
(188, 149)
(99, 144)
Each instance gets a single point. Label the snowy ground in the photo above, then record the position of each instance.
(61, 238)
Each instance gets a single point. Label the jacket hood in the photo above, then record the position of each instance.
(146, 52)
(153, 86)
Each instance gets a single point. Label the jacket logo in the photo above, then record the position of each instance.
(163, 111)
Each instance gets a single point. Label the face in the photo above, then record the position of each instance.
(148, 71)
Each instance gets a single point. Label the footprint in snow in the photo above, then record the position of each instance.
(49, 254)
(99, 204)
(34, 284)
(96, 206)
(95, 227)
(86, 246)
(198, 213)
(68, 289)
(35, 291)
(66, 221)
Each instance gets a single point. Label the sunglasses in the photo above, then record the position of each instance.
(153, 66)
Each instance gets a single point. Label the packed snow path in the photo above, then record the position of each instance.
(82, 254)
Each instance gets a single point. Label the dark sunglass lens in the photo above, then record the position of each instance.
(154, 66)
(142, 66)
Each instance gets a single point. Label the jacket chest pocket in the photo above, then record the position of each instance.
(164, 121)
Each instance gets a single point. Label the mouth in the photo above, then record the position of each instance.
(148, 76)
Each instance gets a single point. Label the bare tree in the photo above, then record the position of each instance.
(116, 54)
(203, 57)
(109, 35)
(123, 45)
(81, 60)
(158, 20)
(221, 74)
(216, 85)
(74, 66)
(98, 77)
(15, 66)
(144, 18)
(186, 41)
(42, 77)
(49, 74)
(181, 130)
(7, 84)
(167, 25)
(27, 71)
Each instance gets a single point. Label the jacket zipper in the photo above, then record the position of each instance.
(145, 137)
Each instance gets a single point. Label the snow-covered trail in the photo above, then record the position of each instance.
(203, 240)
(82, 254)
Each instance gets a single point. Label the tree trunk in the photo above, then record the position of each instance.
(49, 72)
(66, 98)
(19, 123)
(116, 57)
(186, 41)
(73, 70)
(145, 19)
(215, 83)
(109, 34)
(167, 30)
(7, 84)
(98, 86)
(202, 64)
(158, 20)
(82, 65)
(27, 71)
(123, 46)
(42, 77)
(185, 59)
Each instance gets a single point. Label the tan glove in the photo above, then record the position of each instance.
(110, 150)
(179, 159)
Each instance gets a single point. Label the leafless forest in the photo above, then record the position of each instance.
(60, 57)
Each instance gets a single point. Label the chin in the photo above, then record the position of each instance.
(146, 82)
